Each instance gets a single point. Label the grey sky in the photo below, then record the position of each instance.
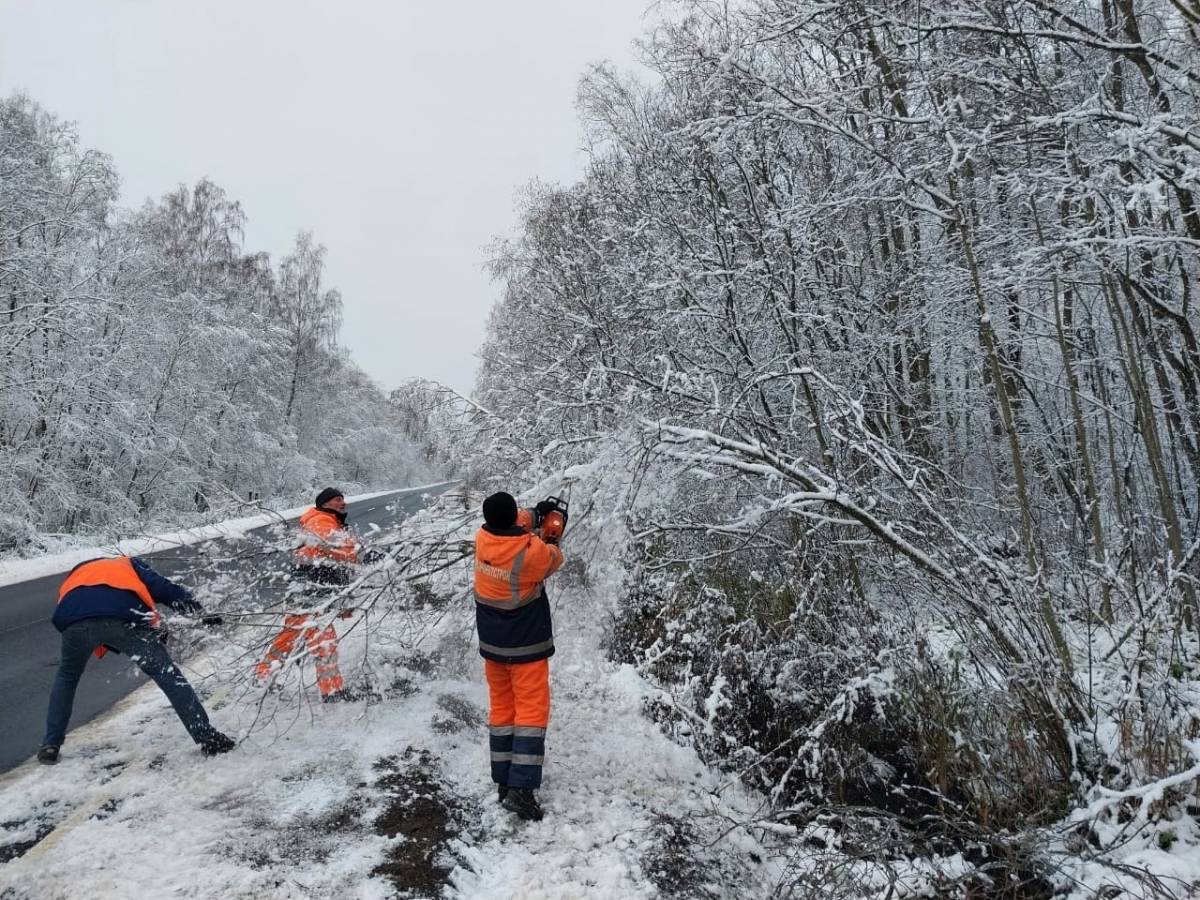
(399, 132)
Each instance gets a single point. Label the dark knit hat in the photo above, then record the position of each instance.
(500, 510)
(326, 495)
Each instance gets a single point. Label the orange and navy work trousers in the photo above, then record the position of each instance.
(517, 719)
(322, 644)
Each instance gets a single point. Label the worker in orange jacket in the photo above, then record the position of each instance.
(516, 641)
(328, 552)
(112, 604)
(326, 556)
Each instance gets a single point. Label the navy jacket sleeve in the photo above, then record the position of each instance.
(163, 590)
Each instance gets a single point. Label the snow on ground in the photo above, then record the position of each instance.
(390, 795)
(382, 797)
(14, 571)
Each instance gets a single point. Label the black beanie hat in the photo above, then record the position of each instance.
(500, 510)
(326, 495)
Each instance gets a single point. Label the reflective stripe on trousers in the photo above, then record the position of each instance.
(517, 755)
(518, 715)
(500, 739)
(529, 746)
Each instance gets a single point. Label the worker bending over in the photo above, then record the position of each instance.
(112, 604)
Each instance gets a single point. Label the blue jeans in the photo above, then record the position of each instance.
(139, 643)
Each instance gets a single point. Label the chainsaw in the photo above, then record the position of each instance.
(554, 522)
(549, 525)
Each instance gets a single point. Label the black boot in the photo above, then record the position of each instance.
(48, 755)
(501, 792)
(524, 803)
(218, 743)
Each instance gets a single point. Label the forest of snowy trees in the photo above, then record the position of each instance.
(869, 339)
(154, 371)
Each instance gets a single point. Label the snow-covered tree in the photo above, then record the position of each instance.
(888, 307)
(152, 369)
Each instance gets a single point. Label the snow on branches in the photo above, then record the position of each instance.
(152, 370)
(883, 314)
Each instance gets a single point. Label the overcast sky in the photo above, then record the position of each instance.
(400, 132)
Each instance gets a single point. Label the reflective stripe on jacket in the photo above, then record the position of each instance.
(512, 611)
(325, 539)
(117, 574)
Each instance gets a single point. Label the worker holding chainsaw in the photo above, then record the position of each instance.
(515, 552)
(326, 556)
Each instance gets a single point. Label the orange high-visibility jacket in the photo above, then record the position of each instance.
(510, 566)
(512, 612)
(114, 573)
(325, 539)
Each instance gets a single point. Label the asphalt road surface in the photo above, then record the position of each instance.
(29, 644)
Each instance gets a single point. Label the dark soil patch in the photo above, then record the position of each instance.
(422, 663)
(97, 750)
(302, 774)
(460, 714)
(423, 817)
(17, 849)
(403, 801)
(110, 771)
(110, 806)
(341, 819)
(402, 687)
(366, 689)
(305, 838)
